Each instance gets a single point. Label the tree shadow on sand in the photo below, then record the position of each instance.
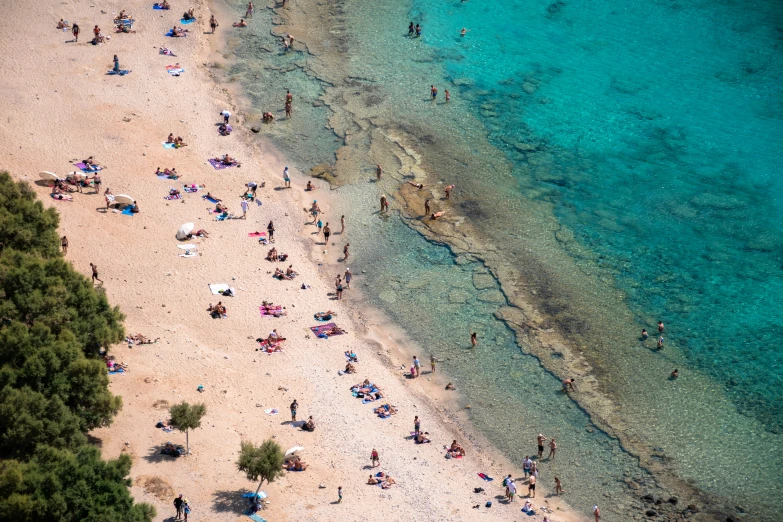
(230, 501)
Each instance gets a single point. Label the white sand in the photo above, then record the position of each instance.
(59, 105)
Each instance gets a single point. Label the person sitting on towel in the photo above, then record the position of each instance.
(189, 15)
(373, 481)
(179, 142)
(224, 129)
(456, 450)
(349, 368)
(297, 465)
(289, 272)
(388, 482)
(173, 192)
(309, 425)
(272, 254)
(421, 439)
(352, 356)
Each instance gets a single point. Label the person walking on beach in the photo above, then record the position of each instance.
(345, 252)
(250, 9)
(96, 183)
(558, 487)
(315, 210)
(286, 178)
(294, 406)
(426, 207)
(506, 482)
(75, 31)
(347, 276)
(178, 506)
(95, 273)
(374, 458)
(474, 339)
(660, 327)
(339, 288)
(433, 361)
(270, 232)
(660, 343)
(243, 204)
(526, 465)
(416, 425)
(417, 365)
(342, 224)
(433, 92)
(186, 509)
(327, 232)
(540, 441)
(384, 204)
(213, 23)
(531, 486)
(319, 226)
(378, 172)
(512, 490)
(340, 495)
(552, 449)
(64, 245)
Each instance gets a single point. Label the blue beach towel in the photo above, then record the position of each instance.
(168, 145)
(186, 22)
(122, 72)
(253, 516)
(117, 371)
(211, 199)
(158, 7)
(127, 211)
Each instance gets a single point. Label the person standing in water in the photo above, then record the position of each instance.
(463, 32)
(448, 191)
(348, 276)
(345, 252)
(418, 31)
(250, 9)
(474, 339)
(433, 92)
(384, 204)
(433, 362)
(378, 172)
(558, 487)
(540, 440)
(552, 449)
(448, 95)
(411, 30)
(342, 224)
(660, 327)
(660, 343)
(289, 109)
(645, 335)
(674, 375)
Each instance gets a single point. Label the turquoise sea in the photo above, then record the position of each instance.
(622, 156)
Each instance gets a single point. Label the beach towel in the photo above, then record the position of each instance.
(193, 188)
(224, 217)
(270, 311)
(174, 70)
(257, 234)
(171, 34)
(185, 21)
(167, 52)
(219, 164)
(211, 199)
(121, 72)
(189, 254)
(486, 477)
(173, 196)
(158, 7)
(168, 145)
(321, 329)
(115, 372)
(124, 21)
(254, 517)
(86, 168)
(272, 411)
(63, 198)
(218, 288)
(127, 211)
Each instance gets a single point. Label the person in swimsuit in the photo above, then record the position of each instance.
(552, 449)
(437, 215)
(347, 276)
(558, 487)
(448, 95)
(411, 29)
(64, 244)
(416, 425)
(673, 376)
(384, 204)
(433, 92)
(250, 9)
(75, 31)
(426, 207)
(95, 273)
(660, 343)
(540, 440)
(213, 24)
(448, 191)
(568, 385)
(433, 362)
(345, 252)
(378, 172)
(374, 458)
(327, 232)
(474, 339)
(294, 407)
(286, 178)
(645, 335)
(531, 486)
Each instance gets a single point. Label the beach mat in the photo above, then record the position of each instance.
(172, 197)
(254, 517)
(256, 234)
(186, 22)
(323, 328)
(486, 477)
(193, 188)
(189, 254)
(218, 288)
(157, 7)
(127, 211)
(168, 145)
(211, 199)
(85, 168)
(218, 165)
(176, 71)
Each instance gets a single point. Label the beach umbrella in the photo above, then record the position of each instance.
(184, 230)
(294, 450)
(124, 199)
(48, 176)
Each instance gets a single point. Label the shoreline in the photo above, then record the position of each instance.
(156, 292)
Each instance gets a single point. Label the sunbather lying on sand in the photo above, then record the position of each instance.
(140, 339)
(417, 185)
(198, 233)
(276, 311)
(162, 5)
(113, 365)
(334, 330)
(123, 28)
(325, 316)
(437, 215)
(179, 32)
(389, 482)
(385, 411)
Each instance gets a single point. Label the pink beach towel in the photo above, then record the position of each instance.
(323, 328)
(257, 234)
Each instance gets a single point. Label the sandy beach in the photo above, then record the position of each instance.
(66, 108)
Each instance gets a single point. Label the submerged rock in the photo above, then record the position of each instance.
(492, 296)
(459, 296)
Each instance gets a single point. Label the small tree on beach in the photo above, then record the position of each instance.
(187, 417)
(263, 462)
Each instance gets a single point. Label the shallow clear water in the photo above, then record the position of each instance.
(653, 129)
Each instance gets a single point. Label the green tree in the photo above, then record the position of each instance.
(187, 417)
(263, 462)
(65, 486)
(24, 222)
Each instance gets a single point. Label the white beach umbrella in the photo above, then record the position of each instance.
(48, 176)
(294, 450)
(124, 199)
(184, 230)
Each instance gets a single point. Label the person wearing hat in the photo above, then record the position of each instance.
(286, 178)
(186, 509)
(178, 505)
(348, 277)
